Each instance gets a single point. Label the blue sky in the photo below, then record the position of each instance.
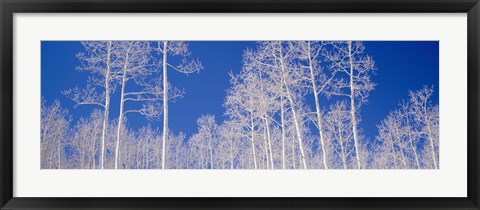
(401, 66)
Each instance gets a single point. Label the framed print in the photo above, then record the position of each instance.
(239, 105)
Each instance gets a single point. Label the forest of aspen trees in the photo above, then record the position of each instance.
(292, 105)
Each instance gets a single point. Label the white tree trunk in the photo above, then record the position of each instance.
(137, 156)
(210, 147)
(267, 124)
(252, 128)
(93, 147)
(397, 134)
(352, 105)
(393, 152)
(122, 101)
(82, 154)
(297, 129)
(294, 112)
(294, 160)
(265, 141)
(410, 139)
(432, 147)
(317, 108)
(344, 156)
(165, 104)
(107, 105)
(50, 162)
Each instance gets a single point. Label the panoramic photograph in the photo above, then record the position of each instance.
(267, 104)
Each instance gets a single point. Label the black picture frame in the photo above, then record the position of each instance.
(9, 7)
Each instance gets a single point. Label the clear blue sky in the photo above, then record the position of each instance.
(401, 66)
